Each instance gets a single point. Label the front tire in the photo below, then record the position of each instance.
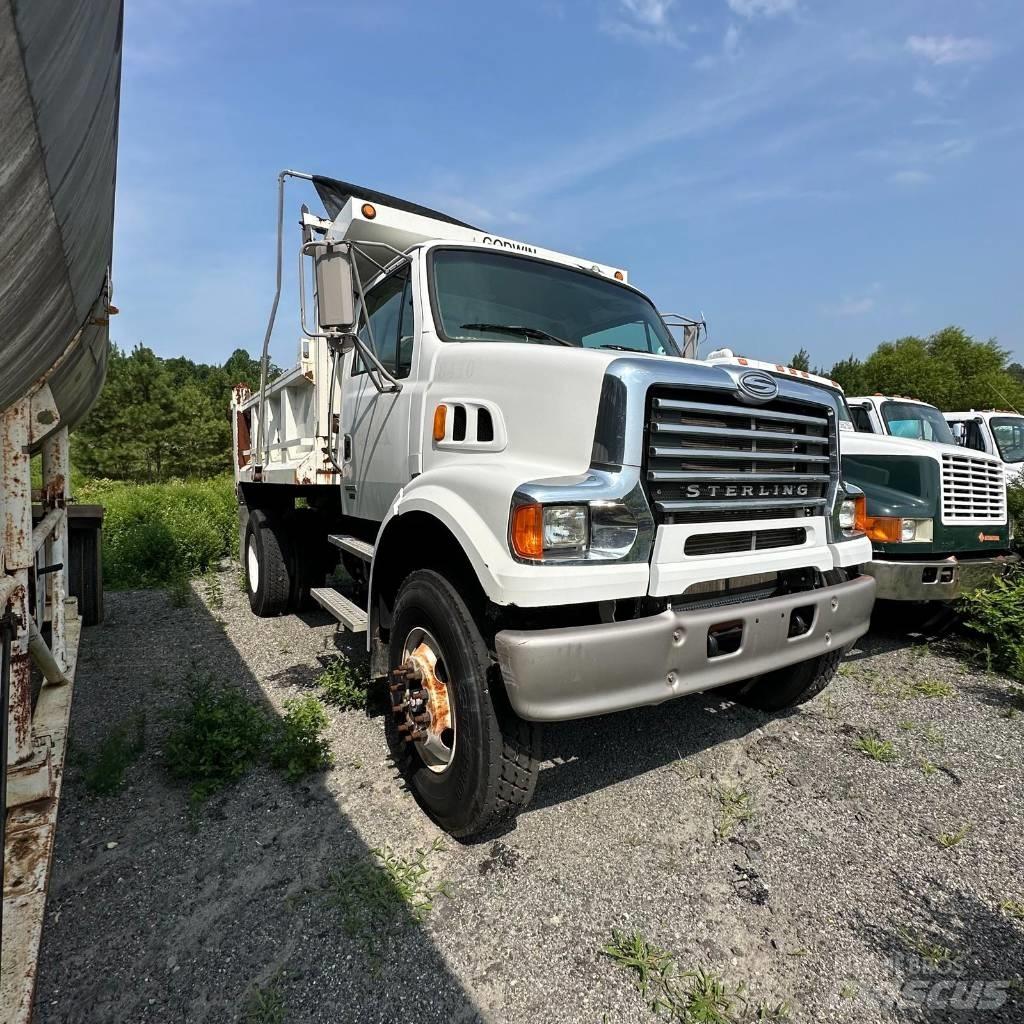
(788, 687)
(490, 771)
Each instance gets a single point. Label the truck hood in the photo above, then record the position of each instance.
(857, 443)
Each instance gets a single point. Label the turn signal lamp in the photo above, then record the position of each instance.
(528, 531)
(440, 416)
(890, 529)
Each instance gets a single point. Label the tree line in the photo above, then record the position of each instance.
(950, 369)
(157, 419)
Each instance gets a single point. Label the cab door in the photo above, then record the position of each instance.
(374, 424)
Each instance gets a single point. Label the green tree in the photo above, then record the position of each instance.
(801, 361)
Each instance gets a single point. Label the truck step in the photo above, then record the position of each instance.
(349, 614)
(353, 545)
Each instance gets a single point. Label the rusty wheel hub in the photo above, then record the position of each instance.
(421, 700)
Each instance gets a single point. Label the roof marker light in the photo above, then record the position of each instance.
(369, 211)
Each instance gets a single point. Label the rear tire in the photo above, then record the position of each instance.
(788, 687)
(268, 574)
(493, 768)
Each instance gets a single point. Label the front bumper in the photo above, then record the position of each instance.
(576, 672)
(943, 579)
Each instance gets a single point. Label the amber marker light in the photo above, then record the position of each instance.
(884, 529)
(619, 276)
(369, 211)
(440, 416)
(528, 531)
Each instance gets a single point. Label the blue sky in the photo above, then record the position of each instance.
(818, 173)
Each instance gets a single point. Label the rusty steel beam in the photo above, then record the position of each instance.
(18, 561)
(55, 496)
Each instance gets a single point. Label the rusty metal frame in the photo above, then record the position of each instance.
(33, 594)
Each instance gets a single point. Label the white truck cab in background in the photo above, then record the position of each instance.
(545, 512)
(997, 432)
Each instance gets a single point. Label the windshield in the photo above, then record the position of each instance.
(921, 422)
(1009, 434)
(490, 296)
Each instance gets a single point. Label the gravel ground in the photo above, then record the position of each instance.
(767, 849)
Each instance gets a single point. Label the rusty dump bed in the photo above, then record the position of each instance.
(60, 74)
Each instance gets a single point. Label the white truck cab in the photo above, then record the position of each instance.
(997, 432)
(544, 511)
(899, 416)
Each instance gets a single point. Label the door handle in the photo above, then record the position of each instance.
(346, 455)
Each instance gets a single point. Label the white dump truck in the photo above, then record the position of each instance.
(998, 432)
(546, 513)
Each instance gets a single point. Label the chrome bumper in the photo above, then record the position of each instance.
(943, 579)
(557, 674)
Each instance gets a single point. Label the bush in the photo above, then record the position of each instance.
(155, 534)
(1016, 500)
(996, 618)
(219, 735)
(340, 687)
(105, 766)
(299, 749)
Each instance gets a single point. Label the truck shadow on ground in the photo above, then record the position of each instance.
(266, 895)
(954, 957)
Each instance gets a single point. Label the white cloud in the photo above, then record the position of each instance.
(926, 88)
(857, 305)
(949, 49)
(911, 178)
(766, 8)
(731, 41)
(644, 21)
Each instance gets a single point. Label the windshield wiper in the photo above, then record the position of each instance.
(622, 348)
(534, 333)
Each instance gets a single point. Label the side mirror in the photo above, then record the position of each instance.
(335, 301)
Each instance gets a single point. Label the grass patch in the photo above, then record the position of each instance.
(928, 768)
(931, 688)
(1013, 908)
(179, 590)
(299, 749)
(339, 686)
(947, 840)
(156, 534)
(106, 765)
(265, 1004)
(218, 736)
(376, 892)
(933, 953)
(875, 748)
(735, 808)
(689, 997)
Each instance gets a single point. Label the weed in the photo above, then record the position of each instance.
(179, 590)
(995, 616)
(299, 748)
(338, 686)
(933, 736)
(212, 589)
(905, 726)
(933, 952)
(688, 997)
(265, 1004)
(931, 688)
(1015, 702)
(219, 734)
(106, 765)
(848, 991)
(1013, 908)
(927, 768)
(378, 890)
(876, 749)
(735, 807)
(950, 839)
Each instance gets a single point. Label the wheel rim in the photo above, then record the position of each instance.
(434, 739)
(252, 564)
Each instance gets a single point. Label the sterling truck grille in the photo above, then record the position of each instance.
(973, 490)
(709, 457)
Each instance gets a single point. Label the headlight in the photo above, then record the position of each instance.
(564, 526)
(848, 515)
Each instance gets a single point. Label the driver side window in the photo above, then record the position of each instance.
(390, 309)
